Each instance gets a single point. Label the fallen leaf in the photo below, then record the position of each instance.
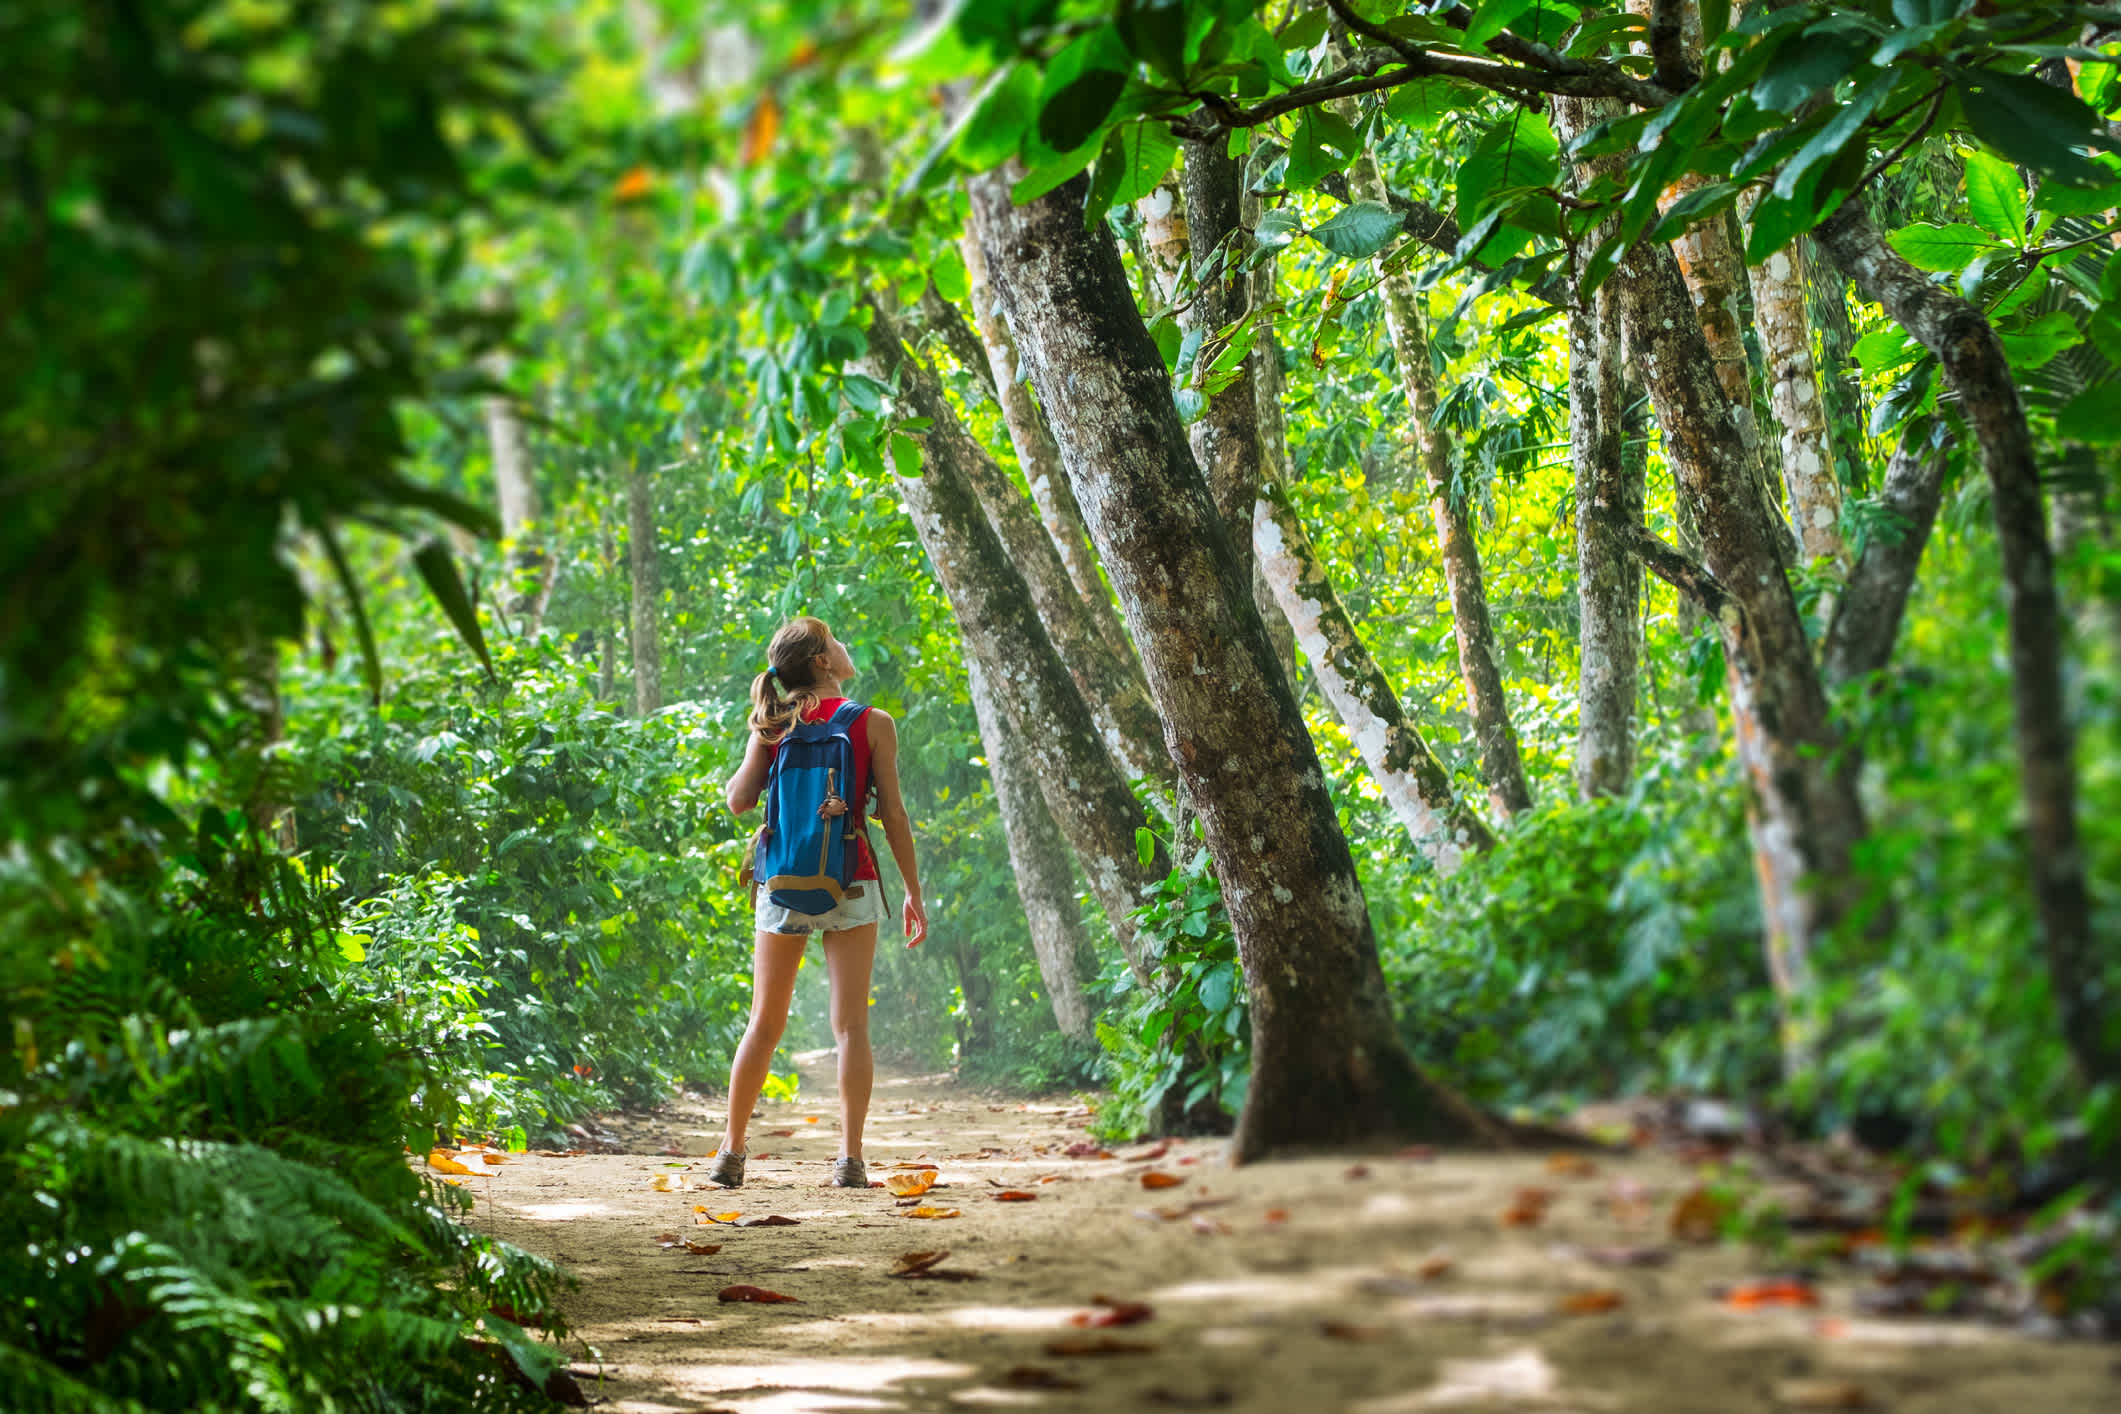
(1015, 1195)
(1210, 1227)
(897, 1167)
(1051, 1178)
(1822, 1394)
(674, 1149)
(442, 1161)
(1757, 1295)
(876, 1183)
(1529, 1208)
(1628, 1256)
(1148, 1154)
(1087, 1149)
(910, 1185)
(807, 1119)
(757, 1294)
(770, 1220)
(1356, 1173)
(1352, 1333)
(667, 1239)
(706, 1216)
(1113, 1313)
(1037, 1377)
(669, 1183)
(914, 1263)
(702, 1249)
(924, 1211)
(1069, 1345)
(1277, 1215)
(1213, 1397)
(780, 1134)
(1157, 1178)
(1434, 1268)
(1699, 1216)
(1570, 1166)
(1418, 1153)
(1591, 1302)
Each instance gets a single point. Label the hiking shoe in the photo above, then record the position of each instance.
(728, 1170)
(849, 1173)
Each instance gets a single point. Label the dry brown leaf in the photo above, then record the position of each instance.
(770, 1220)
(1759, 1295)
(1822, 1394)
(1352, 1333)
(1417, 1153)
(1529, 1209)
(702, 1249)
(1699, 1216)
(1157, 1178)
(924, 1211)
(1087, 1149)
(1591, 1302)
(910, 1185)
(914, 1263)
(1628, 1256)
(1277, 1215)
(667, 1239)
(780, 1134)
(1112, 1313)
(757, 1294)
(1147, 1155)
(1570, 1166)
(1037, 1377)
(1015, 1195)
(1069, 1345)
(1434, 1268)
(1356, 1173)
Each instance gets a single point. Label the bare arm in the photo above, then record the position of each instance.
(750, 778)
(891, 814)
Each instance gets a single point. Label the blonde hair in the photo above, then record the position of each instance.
(792, 683)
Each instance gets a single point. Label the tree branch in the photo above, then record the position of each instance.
(1668, 47)
(1686, 576)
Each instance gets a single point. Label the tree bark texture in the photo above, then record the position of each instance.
(1110, 684)
(1166, 243)
(1976, 369)
(1273, 442)
(1413, 781)
(1328, 1067)
(647, 579)
(1225, 438)
(1076, 771)
(1038, 856)
(1795, 398)
(531, 567)
(1036, 456)
(1479, 665)
(1866, 618)
(1807, 817)
(1608, 577)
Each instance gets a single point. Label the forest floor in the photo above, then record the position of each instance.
(1391, 1284)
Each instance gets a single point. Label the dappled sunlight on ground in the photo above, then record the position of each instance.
(1382, 1286)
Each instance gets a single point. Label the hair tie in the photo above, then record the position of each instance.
(773, 672)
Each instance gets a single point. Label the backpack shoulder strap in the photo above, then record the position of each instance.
(843, 715)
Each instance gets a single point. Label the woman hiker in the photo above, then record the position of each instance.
(807, 671)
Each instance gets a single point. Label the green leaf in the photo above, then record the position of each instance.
(1360, 230)
(1882, 350)
(1419, 104)
(1135, 158)
(2081, 201)
(1930, 247)
(1318, 133)
(1050, 174)
(905, 456)
(998, 121)
(439, 569)
(1995, 196)
(1144, 845)
(1156, 31)
(2034, 345)
(1826, 144)
(364, 632)
(1518, 152)
(1305, 30)
(1492, 18)
(1928, 12)
(1602, 30)
(1278, 227)
(2093, 416)
(1081, 88)
(1800, 70)
(2034, 124)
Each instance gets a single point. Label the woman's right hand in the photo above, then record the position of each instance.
(916, 921)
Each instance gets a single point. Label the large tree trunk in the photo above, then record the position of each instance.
(1110, 683)
(1328, 1066)
(647, 577)
(1866, 620)
(1036, 455)
(531, 566)
(1076, 771)
(1038, 856)
(2079, 965)
(1608, 576)
(1795, 398)
(1479, 666)
(1807, 818)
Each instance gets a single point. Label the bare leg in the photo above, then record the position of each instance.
(849, 955)
(775, 957)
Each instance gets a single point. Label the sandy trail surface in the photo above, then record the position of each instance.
(1393, 1284)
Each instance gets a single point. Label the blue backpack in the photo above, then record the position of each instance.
(806, 861)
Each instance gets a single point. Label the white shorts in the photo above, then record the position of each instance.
(853, 911)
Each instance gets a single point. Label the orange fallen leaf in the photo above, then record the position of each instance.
(924, 1211)
(1591, 1302)
(770, 1220)
(1277, 1215)
(1756, 1295)
(910, 1185)
(1148, 1154)
(1112, 1313)
(780, 1133)
(909, 1167)
(1015, 1195)
(1070, 1345)
(728, 1217)
(1157, 1178)
(1434, 1268)
(1570, 1166)
(1087, 1149)
(807, 1119)
(702, 1249)
(1699, 1216)
(442, 1161)
(669, 1183)
(761, 130)
(1529, 1208)
(757, 1294)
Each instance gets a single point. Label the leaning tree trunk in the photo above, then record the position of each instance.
(1225, 438)
(1273, 441)
(1794, 396)
(1110, 683)
(1866, 620)
(1038, 856)
(1037, 457)
(1328, 1066)
(1608, 576)
(1807, 817)
(531, 566)
(1479, 665)
(1084, 789)
(2079, 965)
(647, 577)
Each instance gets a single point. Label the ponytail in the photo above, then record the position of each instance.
(791, 684)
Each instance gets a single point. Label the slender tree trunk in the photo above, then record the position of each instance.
(1479, 663)
(1328, 1066)
(1068, 754)
(1859, 638)
(647, 578)
(608, 635)
(1037, 457)
(1267, 392)
(2080, 966)
(1608, 576)
(1794, 396)
(1110, 683)
(1225, 438)
(1841, 377)
(531, 566)
(1038, 856)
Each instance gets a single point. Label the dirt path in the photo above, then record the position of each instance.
(1303, 1286)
